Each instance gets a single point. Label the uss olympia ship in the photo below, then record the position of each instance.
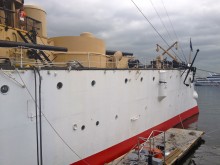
(67, 100)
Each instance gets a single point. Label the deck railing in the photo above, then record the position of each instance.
(103, 61)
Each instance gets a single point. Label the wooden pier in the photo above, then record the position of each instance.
(165, 148)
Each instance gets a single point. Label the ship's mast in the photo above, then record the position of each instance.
(160, 58)
(166, 51)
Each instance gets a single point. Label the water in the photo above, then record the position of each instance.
(208, 152)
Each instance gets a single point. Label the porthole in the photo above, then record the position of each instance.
(93, 83)
(83, 127)
(4, 89)
(126, 80)
(141, 79)
(97, 123)
(59, 85)
(116, 117)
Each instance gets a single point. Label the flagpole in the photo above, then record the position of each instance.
(191, 50)
(190, 54)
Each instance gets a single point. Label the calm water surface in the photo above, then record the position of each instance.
(208, 153)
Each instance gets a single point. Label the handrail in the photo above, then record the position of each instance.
(26, 61)
(88, 62)
(37, 21)
(148, 140)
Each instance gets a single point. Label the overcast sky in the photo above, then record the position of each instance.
(124, 28)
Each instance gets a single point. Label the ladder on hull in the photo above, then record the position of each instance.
(38, 55)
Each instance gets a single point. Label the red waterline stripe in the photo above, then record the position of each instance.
(119, 149)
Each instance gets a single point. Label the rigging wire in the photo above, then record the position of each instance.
(47, 120)
(207, 71)
(161, 20)
(174, 31)
(154, 27)
(64, 140)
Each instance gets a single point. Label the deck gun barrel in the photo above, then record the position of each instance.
(112, 52)
(4, 43)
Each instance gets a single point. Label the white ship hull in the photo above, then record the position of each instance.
(98, 123)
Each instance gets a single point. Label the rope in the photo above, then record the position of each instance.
(181, 121)
(212, 131)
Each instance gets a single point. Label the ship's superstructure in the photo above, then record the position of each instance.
(68, 100)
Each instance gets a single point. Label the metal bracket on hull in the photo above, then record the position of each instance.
(31, 109)
(162, 89)
(134, 118)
